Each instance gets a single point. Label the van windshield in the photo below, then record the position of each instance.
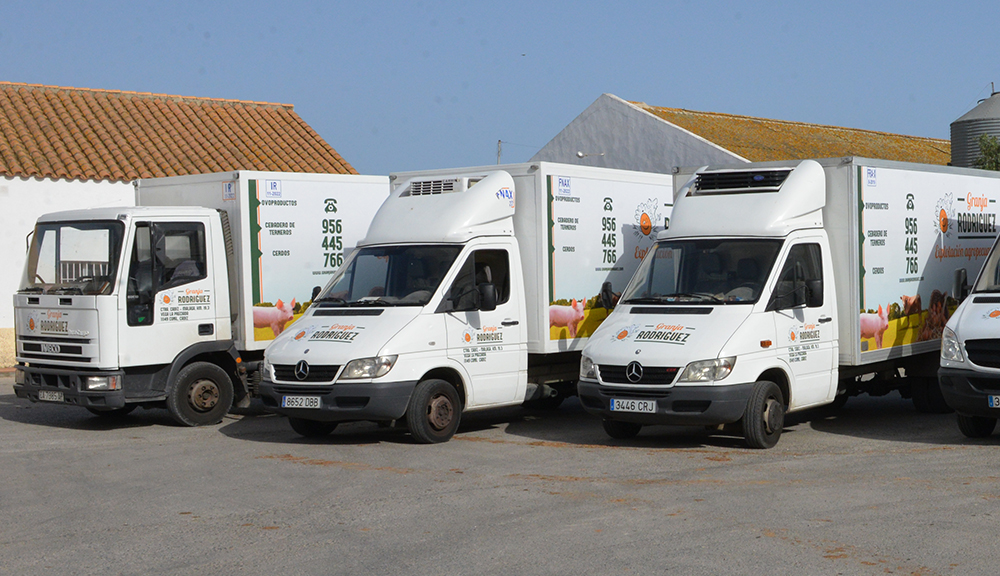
(73, 258)
(989, 278)
(389, 276)
(722, 271)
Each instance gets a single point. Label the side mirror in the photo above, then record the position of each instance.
(607, 296)
(487, 297)
(960, 288)
(814, 293)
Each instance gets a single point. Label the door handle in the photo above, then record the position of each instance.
(824, 319)
(509, 323)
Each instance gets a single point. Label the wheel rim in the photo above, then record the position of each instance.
(204, 395)
(440, 412)
(772, 416)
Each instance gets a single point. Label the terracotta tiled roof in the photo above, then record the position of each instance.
(83, 134)
(761, 139)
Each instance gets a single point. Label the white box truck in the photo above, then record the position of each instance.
(172, 302)
(474, 288)
(785, 286)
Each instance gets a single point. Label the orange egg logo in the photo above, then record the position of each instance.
(622, 335)
(645, 224)
(943, 221)
(995, 314)
(166, 299)
(31, 324)
(300, 335)
(792, 336)
(468, 337)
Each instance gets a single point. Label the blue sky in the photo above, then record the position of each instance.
(434, 84)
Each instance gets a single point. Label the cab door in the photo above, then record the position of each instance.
(490, 344)
(169, 297)
(802, 303)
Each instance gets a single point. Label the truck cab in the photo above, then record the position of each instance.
(424, 320)
(127, 307)
(729, 318)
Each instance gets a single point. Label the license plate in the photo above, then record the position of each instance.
(618, 405)
(994, 401)
(47, 396)
(300, 401)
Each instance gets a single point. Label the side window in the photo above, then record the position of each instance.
(482, 266)
(179, 248)
(802, 268)
(164, 255)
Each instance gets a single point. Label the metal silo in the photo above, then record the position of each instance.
(965, 132)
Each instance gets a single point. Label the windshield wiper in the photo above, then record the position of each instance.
(331, 299)
(370, 301)
(645, 300)
(699, 295)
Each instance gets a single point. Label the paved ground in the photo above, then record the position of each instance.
(873, 489)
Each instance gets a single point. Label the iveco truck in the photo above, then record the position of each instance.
(785, 286)
(171, 303)
(473, 288)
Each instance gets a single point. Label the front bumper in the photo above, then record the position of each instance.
(70, 384)
(676, 405)
(382, 401)
(967, 390)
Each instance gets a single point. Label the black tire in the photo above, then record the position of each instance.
(764, 416)
(621, 430)
(547, 403)
(201, 395)
(927, 397)
(976, 426)
(311, 428)
(434, 412)
(112, 413)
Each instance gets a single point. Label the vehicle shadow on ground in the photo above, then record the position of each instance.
(14, 409)
(888, 418)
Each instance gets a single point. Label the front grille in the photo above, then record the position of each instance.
(741, 181)
(316, 390)
(985, 352)
(317, 373)
(651, 375)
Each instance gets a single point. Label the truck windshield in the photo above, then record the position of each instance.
(73, 258)
(724, 271)
(989, 278)
(390, 276)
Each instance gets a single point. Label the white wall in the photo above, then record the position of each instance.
(630, 139)
(22, 201)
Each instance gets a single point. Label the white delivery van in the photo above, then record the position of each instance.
(970, 346)
(474, 288)
(784, 286)
(171, 303)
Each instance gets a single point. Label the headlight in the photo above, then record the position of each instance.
(587, 368)
(19, 377)
(951, 348)
(267, 370)
(100, 383)
(708, 370)
(368, 367)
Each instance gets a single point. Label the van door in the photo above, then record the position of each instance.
(804, 324)
(487, 343)
(169, 297)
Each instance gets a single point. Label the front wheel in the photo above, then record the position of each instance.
(311, 428)
(927, 396)
(764, 416)
(433, 412)
(976, 426)
(202, 394)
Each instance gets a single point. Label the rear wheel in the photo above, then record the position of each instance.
(927, 397)
(202, 394)
(621, 430)
(434, 412)
(976, 426)
(311, 428)
(764, 416)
